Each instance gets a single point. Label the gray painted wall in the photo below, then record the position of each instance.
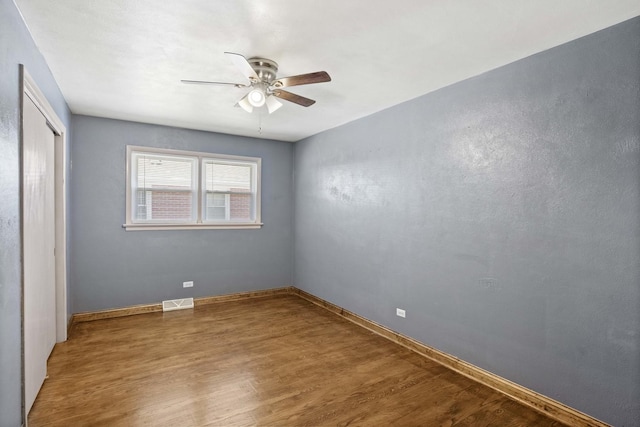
(112, 267)
(503, 213)
(16, 47)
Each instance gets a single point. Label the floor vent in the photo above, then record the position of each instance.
(177, 304)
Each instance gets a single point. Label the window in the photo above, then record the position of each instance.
(171, 189)
(228, 190)
(164, 188)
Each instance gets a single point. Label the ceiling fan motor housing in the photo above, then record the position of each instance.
(266, 69)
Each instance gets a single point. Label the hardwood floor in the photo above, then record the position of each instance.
(274, 361)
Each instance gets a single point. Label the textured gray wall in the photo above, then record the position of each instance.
(16, 47)
(112, 267)
(503, 213)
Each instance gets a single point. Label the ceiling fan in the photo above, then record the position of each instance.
(265, 87)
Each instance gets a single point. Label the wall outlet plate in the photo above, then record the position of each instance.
(400, 312)
(187, 284)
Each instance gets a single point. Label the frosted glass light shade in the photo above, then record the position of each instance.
(257, 98)
(273, 104)
(244, 103)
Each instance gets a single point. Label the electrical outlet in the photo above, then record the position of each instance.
(400, 312)
(187, 284)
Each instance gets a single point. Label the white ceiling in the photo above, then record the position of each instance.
(124, 59)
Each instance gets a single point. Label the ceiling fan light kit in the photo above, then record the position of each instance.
(257, 97)
(265, 88)
(272, 104)
(245, 104)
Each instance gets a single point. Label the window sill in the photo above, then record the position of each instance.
(156, 227)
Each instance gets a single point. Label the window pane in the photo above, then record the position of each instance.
(240, 207)
(216, 207)
(228, 177)
(164, 188)
(171, 205)
(216, 213)
(141, 205)
(163, 171)
(218, 200)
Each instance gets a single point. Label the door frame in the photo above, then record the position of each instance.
(29, 88)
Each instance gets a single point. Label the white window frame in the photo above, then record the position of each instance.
(227, 194)
(131, 224)
(192, 191)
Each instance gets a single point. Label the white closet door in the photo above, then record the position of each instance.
(39, 244)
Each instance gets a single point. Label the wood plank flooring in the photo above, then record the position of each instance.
(273, 361)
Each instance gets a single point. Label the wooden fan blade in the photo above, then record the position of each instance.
(243, 65)
(292, 97)
(303, 79)
(202, 82)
